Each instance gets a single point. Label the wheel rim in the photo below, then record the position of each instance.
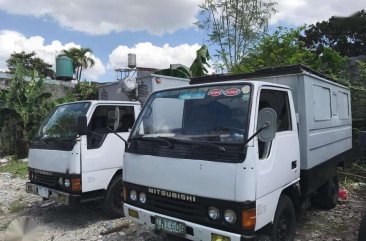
(283, 228)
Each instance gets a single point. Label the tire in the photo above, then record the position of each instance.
(328, 194)
(284, 223)
(112, 204)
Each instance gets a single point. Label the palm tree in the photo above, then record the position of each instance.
(81, 58)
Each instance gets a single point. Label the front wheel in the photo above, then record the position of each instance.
(284, 223)
(112, 204)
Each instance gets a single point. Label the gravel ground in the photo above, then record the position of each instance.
(59, 223)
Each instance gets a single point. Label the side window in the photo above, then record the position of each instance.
(126, 118)
(321, 103)
(102, 122)
(277, 100)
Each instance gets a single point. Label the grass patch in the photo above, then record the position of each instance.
(15, 167)
(16, 207)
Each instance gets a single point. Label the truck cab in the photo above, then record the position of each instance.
(236, 157)
(73, 168)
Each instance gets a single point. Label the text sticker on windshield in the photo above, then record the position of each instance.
(191, 96)
(214, 92)
(232, 92)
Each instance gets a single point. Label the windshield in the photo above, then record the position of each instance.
(215, 114)
(62, 123)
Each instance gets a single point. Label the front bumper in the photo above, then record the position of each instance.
(198, 232)
(68, 199)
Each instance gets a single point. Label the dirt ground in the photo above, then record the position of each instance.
(60, 223)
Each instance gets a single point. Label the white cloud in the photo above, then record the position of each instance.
(103, 17)
(299, 12)
(11, 41)
(151, 56)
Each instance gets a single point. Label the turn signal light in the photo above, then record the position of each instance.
(248, 219)
(75, 184)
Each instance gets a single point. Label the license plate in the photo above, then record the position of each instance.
(43, 192)
(170, 226)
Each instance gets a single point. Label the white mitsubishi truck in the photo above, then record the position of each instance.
(76, 157)
(235, 157)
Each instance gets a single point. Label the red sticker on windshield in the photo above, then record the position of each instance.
(231, 92)
(214, 92)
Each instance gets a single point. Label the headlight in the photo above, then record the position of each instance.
(133, 195)
(213, 213)
(142, 197)
(67, 182)
(60, 181)
(230, 216)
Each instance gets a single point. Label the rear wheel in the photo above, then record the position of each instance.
(283, 227)
(113, 199)
(327, 194)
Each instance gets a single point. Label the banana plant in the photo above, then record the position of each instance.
(25, 102)
(198, 67)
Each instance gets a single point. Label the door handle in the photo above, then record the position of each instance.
(294, 164)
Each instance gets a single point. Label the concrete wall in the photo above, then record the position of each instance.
(57, 88)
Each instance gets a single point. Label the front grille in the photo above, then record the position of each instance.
(49, 181)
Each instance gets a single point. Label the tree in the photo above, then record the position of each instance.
(23, 106)
(345, 35)
(30, 63)
(81, 58)
(285, 47)
(234, 26)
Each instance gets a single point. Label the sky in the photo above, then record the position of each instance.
(159, 32)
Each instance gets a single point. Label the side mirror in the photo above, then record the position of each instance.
(267, 120)
(82, 126)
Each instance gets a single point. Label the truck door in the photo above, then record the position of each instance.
(102, 151)
(279, 161)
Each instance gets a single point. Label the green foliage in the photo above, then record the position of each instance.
(81, 58)
(345, 35)
(30, 63)
(86, 91)
(22, 108)
(16, 206)
(198, 66)
(234, 26)
(16, 168)
(285, 47)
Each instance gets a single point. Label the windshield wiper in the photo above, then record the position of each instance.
(153, 138)
(198, 143)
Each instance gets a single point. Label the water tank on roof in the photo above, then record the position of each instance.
(64, 68)
(131, 61)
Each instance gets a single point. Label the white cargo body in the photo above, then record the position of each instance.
(323, 111)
